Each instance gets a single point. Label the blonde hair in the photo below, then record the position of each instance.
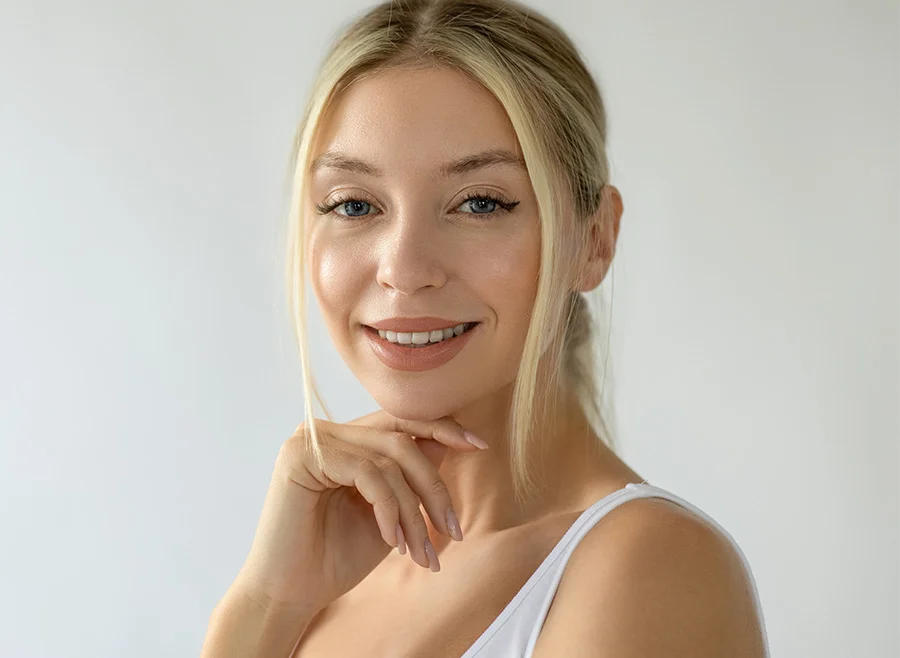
(556, 110)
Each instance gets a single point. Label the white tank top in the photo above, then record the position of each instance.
(514, 632)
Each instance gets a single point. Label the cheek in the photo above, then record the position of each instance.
(336, 286)
(506, 276)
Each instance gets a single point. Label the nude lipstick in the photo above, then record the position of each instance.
(409, 356)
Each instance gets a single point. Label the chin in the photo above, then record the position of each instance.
(415, 406)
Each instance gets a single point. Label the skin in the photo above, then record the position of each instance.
(419, 249)
(666, 583)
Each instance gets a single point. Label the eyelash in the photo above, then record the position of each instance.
(324, 209)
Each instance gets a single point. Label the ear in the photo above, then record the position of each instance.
(601, 234)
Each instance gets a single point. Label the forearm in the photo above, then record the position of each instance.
(241, 628)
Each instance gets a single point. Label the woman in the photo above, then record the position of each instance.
(451, 205)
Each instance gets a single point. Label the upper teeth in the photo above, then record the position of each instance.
(422, 337)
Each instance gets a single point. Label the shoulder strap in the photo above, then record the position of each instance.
(596, 512)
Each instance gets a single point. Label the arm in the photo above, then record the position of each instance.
(242, 627)
(652, 579)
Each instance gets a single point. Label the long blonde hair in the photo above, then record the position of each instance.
(556, 110)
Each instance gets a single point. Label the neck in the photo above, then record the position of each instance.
(565, 455)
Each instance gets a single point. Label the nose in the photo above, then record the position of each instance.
(409, 258)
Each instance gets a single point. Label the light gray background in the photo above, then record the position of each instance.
(147, 370)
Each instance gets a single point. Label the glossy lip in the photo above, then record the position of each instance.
(415, 324)
(416, 359)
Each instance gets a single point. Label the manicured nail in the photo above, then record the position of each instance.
(401, 540)
(474, 440)
(433, 563)
(453, 525)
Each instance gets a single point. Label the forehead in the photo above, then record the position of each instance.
(412, 120)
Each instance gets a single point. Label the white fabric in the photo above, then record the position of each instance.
(514, 632)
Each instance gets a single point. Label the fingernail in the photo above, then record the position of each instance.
(474, 440)
(433, 563)
(401, 540)
(453, 525)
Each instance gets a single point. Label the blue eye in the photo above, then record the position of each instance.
(355, 204)
(481, 201)
(324, 209)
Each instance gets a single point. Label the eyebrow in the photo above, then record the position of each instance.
(464, 165)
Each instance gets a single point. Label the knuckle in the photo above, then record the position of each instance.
(437, 487)
(390, 503)
(304, 429)
(398, 441)
(299, 445)
(392, 470)
(418, 521)
(293, 451)
(369, 468)
(383, 462)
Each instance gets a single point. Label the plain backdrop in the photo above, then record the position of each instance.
(148, 374)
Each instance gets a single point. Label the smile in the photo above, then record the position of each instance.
(420, 339)
(419, 350)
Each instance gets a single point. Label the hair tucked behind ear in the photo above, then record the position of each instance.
(555, 107)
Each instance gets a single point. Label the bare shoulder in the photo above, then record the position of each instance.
(653, 579)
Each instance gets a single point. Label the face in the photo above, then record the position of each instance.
(415, 229)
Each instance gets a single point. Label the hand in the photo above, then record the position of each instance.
(322, 531)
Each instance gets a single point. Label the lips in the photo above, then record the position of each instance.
(417, 359)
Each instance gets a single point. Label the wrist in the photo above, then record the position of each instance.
(244, 626)
(250, 592)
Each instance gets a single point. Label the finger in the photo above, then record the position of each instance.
(424, 479)
(381, 483)
(411, 519)
(420, 472)
(344, 468)
(445, 430)
(381, 494)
